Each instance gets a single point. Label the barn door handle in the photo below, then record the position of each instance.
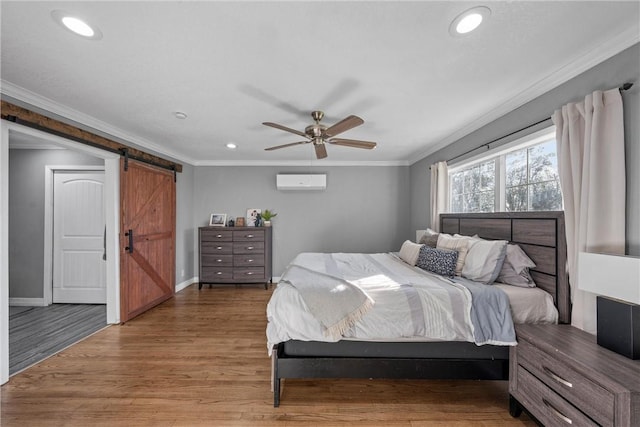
(104, 244)
(130, 235)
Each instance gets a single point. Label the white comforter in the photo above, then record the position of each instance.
(408, 302)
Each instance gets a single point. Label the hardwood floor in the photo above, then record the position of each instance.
(200, 359)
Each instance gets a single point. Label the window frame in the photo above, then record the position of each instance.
(499, 155)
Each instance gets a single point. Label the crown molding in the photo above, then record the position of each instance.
(26, 96)
(571, 69)
(305, 163)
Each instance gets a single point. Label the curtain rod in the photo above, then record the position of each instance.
(624, 87)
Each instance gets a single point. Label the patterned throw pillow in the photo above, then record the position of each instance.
(439, 261)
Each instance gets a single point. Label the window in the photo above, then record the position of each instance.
(521, 177)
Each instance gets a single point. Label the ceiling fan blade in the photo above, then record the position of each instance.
(286, 145)
(321, 150)
(353, 143)
(344, 125)
(284, 128)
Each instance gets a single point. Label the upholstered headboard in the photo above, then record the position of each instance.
(540, 234)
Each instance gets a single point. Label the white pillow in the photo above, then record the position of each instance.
(458, 244)
(484, 260)
(409, 252)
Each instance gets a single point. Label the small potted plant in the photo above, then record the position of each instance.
(266, 217)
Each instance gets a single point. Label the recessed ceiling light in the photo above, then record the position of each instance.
(468, 20)
(180, 115)
(76, 25)
(231, 146)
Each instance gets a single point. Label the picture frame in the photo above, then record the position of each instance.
(218, 220)
(252, 216)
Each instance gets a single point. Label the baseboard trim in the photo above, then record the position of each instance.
(186, 283)
(27, 302)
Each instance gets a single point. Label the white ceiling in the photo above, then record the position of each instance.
(232, 65)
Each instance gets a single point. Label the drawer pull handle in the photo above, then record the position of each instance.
(250, 248)
(219, 236)
(219, 248)
(219, 272)
(218, 260)
(249, 273)
(557, 378)
(249, 236)
(557, 413)
(249, 260)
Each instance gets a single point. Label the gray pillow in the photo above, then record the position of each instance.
(515, 270)
(429, 239)
(439, 261)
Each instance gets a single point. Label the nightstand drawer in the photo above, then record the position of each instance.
(575, 387)
(547, 406)
(248, 260)
(214, 274)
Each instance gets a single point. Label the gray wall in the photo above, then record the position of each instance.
(624, 67)
(363, 209)
(26, 215)
(186, 232)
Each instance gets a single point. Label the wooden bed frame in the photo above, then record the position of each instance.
(540, 234)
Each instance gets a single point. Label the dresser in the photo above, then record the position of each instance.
(562, 377)
(235, 255)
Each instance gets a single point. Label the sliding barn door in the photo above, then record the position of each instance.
(147, 237)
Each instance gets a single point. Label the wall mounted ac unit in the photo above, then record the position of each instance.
(301, 181)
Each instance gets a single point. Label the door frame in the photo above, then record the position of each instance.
(112, 218)
(49, 171)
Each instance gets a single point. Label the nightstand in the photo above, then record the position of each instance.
(561, 376)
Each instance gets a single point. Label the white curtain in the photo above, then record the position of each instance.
(439, 192)
(591, 165)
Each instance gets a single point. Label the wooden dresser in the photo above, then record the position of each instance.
(561, 376)
(234, 255)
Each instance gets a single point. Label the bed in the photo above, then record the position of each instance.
(539, 234)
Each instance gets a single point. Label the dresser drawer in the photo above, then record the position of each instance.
(546, 405)
(248, 235)
(217, 260)
(248, 273)
(210, 248)
(248, 260)
(575, 387)
(216, 235)
(248, 247)
(215, 274)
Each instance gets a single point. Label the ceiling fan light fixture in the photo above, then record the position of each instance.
(76, 25)
(320, 135)
(468, 21)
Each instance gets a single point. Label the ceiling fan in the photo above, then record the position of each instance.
(320, 134)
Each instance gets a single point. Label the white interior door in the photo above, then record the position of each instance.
(79, 268)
